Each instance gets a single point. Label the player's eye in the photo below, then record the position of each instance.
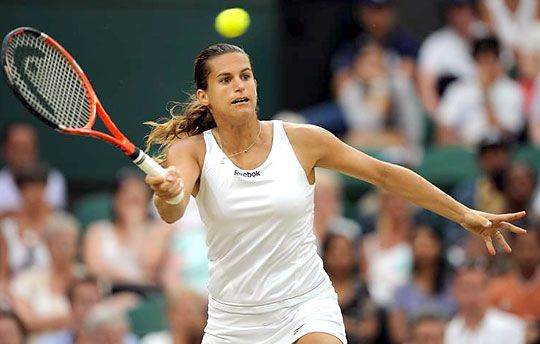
(246, 77)
(225, 80)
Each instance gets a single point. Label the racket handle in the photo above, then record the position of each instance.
(151, 167)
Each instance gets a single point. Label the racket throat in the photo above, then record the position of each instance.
(146, 163)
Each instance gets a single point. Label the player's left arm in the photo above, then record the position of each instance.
(326, 150)
(323, 149)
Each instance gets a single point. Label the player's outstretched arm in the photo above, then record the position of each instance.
(183, 171)
(330, 152)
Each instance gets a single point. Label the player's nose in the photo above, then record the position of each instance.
(239, 84)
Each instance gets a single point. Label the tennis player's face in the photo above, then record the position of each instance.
(232, 89)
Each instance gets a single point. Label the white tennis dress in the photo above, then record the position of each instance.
(267, 284)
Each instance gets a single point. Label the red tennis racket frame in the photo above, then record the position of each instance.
(139, 157)
(118, 139)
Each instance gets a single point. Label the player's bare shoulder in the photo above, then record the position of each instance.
(302, 133)
(306, 136)
(308, 141)
(191, 146)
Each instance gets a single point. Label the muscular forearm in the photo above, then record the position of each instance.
(406, 183)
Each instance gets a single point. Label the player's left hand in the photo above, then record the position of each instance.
(489, 226)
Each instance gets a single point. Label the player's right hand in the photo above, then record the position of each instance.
(166, 187)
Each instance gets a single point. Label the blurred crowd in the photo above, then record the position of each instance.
(475, 77)
(402, 274)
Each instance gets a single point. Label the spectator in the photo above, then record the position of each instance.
(518, 292)
(534, 125)
(378, 21)
(503, 185)
(328, 204)
(83, 295)
(528, 68)
(386, 256)
(40, 294)
(509, 19)
(329, 207)
(118, 251)
(12, 330)
(106, 324)
(445, 54)
(380, 104)
(186, 313)
(429, 289)
(359, 311)
(484, 192)
(186, 259)
(476, 322)
(476, 108)
(428, 328)
(21, 234)
(534, 120)
(20, 151)
(519, 188)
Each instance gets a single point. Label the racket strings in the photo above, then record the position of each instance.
(47, 81)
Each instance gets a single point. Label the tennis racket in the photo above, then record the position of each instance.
(49, 82)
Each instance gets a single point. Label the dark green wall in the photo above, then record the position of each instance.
(138, 55)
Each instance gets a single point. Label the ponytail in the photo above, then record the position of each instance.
(194, 119)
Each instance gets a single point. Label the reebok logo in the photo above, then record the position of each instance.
(247, 174)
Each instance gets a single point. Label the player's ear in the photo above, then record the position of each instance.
(202, 96)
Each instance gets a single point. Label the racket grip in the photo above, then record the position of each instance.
(151, 167)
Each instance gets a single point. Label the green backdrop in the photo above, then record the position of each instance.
(138, 55)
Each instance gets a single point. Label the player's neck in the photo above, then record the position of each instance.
(237, 138)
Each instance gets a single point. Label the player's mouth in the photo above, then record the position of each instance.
(242, 100)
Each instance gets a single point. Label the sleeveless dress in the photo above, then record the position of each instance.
(266, 281)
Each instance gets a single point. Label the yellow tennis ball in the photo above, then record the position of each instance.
(232, 22)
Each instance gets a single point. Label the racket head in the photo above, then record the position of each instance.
(50, 83)
(47, 80)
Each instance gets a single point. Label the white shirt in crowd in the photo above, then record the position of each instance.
(388, 269)
(462, 108)
(55, 191)
(497, 327)
(511, 26)
(445, 52)
(34, 287)
(162, 337)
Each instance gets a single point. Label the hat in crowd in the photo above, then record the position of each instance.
(374, 2)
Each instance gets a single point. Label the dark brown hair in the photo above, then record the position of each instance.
(194, 117)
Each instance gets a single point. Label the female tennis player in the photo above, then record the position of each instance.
(253, 182)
